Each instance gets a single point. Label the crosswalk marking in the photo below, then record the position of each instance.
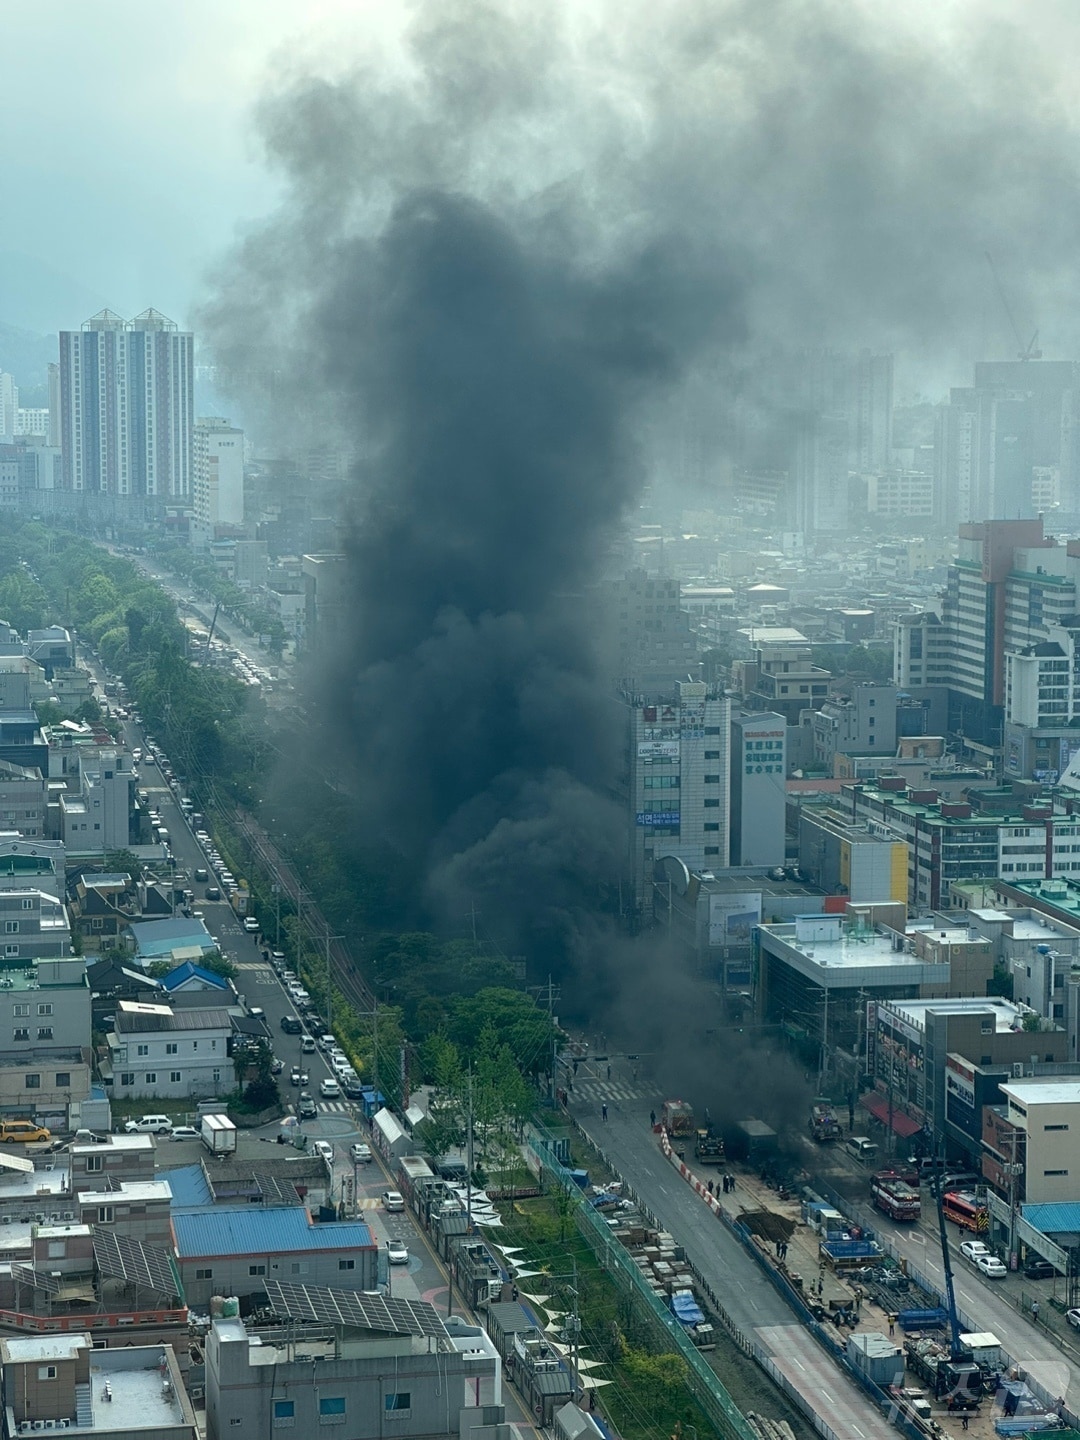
(607, 1090)
(335, 1107)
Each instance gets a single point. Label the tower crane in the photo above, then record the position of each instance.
(1031, 350)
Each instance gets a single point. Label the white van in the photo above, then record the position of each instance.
(862, 1147)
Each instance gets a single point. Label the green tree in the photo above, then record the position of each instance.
(219, 964)
(444, 1128)
(124, 862)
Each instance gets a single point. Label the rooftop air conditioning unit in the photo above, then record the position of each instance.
(1018, 1069)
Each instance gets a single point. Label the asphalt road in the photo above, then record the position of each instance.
(625, 1137)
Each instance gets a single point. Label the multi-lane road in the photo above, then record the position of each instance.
(752, 1302)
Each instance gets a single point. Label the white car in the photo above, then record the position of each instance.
(251, 924)
(330, 1090)
(323, 1148)
(393, 1200)
(360, 1153)
(149, 1125)
(396, 1252)
(972, 1249)
(990, 1266)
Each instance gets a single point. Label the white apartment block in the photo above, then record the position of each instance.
(218, 495)
(156, 1053)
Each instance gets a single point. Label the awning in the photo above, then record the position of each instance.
(878, 1105)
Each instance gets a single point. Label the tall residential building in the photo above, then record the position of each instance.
(218, 473)
(126, 406)
(1008, 438)
(678, 782)
(758, 793)
(9, 406)
(820, 472)
(1012, 591)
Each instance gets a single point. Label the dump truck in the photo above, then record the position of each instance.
(894, 1198)
(678, 1117)
(958, 1382)
(824, 1126)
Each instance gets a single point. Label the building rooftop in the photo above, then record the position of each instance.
(160, 937)
(134, 1017)
(1043, 1092)
(139, 1191)
(249, 1230)
(33, 1348)
(138, 1398)
(1007, 1016)
(841, 954)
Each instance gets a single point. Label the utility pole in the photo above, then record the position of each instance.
(277, 916)
(469, 1157)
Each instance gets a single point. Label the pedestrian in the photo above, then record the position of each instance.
(514, 1292)
(603, 1111)
(609, 1072)
(1035, 1312)
(964, 1420)
(892, 1324)
(710, 1187)
(652, 1119)
(575, 1067)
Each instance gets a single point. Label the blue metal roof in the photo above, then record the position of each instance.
(1054, 1219)
(190, 971)
(157, 937)
(251, 1230)
(189, 1188)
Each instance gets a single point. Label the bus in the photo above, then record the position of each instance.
(963, 1209)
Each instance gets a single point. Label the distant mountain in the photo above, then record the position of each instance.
(35, 296)
(26, 355)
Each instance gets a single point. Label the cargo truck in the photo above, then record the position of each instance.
(218, 1134)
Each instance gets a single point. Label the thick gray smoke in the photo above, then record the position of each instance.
(498, 260)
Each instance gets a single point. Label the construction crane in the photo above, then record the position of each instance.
(963, 1375)
(1031, 350)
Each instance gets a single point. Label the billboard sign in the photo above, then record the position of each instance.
(658, 749)
(649, 818)
(733, 916)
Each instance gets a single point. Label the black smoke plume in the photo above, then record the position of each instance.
(502, 253)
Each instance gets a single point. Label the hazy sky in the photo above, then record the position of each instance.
(130, 142)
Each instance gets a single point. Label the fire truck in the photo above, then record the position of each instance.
(894, 1197)
(678, 1117)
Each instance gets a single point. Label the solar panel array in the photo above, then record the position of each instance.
(39, 1279)
(122, 1258)
(353, 1310)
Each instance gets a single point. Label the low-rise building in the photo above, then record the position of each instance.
(1046, 1111)
(339, 1357)
(912, 1046)
(236, 1250)
(63, 1382)
(138, 1209)
(158, 1052)
(815, 975)
(24, 800)
(33, 925)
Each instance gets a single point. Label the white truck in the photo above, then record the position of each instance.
(218, 1134)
